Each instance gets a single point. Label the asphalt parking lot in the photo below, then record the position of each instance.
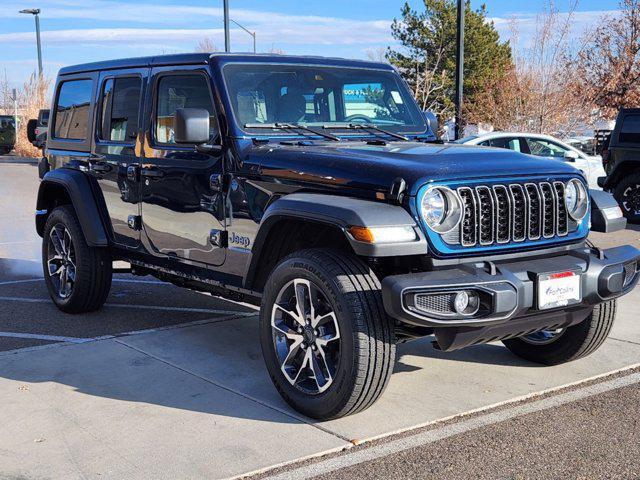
(169, 383)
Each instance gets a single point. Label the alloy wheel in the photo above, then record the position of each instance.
(543, 337)
(61, 260)
(631, 199)
(306, 336)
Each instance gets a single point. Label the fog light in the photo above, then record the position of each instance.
(466, 303)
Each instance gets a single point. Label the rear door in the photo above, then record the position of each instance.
(182, 202)
(117, 152)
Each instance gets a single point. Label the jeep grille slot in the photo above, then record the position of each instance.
(468, 230)
(548, 210)
(501, 214)
(486, 214)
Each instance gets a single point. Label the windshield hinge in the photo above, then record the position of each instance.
(397, 190)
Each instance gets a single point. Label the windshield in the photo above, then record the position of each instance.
(320, 96)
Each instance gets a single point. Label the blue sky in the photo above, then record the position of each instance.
(77, 31)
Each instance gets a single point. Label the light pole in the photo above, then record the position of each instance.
(227, 41)
(459, 68)
(35, 12)
(253, 34)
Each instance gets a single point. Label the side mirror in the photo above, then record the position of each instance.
(191, 125)
(432, 120)
(571, 156)
(31, 130)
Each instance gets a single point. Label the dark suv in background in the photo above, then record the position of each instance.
(7, 133)
(621, 159)
(316, 188)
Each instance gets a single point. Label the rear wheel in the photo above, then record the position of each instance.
(326, 339)
(627, 193)
(552, 347)
(78, 276)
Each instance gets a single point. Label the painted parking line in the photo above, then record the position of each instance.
(130, 333)
(437, 434)
(138, 307)
(34, 336)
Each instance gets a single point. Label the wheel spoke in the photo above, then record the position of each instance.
(304, 299)
(294, 315)
(56, 241)
(288, 332)
(294, 352)
(321, 373)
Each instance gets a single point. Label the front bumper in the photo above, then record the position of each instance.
(508, 291)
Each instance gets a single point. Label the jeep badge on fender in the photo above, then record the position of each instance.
(317, 189)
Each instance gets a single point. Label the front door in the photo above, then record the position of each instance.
(182, 202)
(117, 151)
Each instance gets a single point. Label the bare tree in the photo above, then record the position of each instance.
(32, 97)
(538, 93)
(609, 60)
(206, 45)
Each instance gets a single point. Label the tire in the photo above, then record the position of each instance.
(627, 194)
(572, 343)
(359, 360)
(4, 150)
(86, 270)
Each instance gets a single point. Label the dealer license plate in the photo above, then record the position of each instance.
(558, 290)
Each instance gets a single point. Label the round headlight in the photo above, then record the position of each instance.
(433, 207)
(576, 199)
(441, 209)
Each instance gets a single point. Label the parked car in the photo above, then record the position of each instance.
(7, 133)
(263, 179)
(621, 156)
(542, 146)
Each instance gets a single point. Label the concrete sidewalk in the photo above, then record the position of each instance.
(196, 402)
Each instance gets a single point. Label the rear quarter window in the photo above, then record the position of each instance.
(630, 129)
(72, 109)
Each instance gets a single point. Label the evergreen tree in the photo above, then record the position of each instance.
(427, 58)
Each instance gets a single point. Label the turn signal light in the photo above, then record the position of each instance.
(383, 234)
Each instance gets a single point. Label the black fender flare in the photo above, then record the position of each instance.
(342, 213)
(80, 192)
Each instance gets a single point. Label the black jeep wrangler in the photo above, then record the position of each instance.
(621, 159)
(317, 189)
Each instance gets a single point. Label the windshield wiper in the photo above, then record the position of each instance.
(292, 126)
(365, 126)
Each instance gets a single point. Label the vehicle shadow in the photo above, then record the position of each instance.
(488, 354)
(17, 269)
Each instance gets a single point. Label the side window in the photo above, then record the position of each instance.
(506, 142)
(181, 91)
(544, 148)
(120, 107)
(72, 109)
(630, 129)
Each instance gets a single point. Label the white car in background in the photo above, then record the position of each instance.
(542, 146)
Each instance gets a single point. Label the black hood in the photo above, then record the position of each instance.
(374, 166)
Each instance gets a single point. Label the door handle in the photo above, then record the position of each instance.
(151, 172)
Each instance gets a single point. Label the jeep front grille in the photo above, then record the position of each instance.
(512, 213)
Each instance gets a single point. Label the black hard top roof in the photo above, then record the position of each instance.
(203, 58)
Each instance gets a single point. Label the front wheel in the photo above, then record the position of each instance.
(78, 276)
(552, 347)
(327, 342)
